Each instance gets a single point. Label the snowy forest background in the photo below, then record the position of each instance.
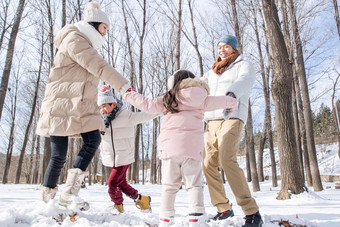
(293, 45)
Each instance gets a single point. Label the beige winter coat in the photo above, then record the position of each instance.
(122, 138)
(70, 103)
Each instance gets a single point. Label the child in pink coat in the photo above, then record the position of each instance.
(180, 140)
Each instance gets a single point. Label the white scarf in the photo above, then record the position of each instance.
(91, 33)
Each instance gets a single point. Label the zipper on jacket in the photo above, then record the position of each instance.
(113, 147)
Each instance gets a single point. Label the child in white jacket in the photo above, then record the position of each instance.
(118, 147)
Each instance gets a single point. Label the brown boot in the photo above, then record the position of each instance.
(143, 202)
(119, 208)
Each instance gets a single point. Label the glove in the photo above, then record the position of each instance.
(131, 89)
(228, 111)
(126, 88)
(231, 94)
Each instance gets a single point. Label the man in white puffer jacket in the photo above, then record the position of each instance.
(117, 148)
(230, 75)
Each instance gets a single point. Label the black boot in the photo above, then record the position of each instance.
(223, 215)
(253, 220)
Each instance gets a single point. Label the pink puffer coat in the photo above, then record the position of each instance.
(181, 134)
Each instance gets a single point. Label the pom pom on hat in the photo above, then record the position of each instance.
(230, 40)
(93, 13)
(105, 95)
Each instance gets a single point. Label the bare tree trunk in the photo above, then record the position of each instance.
(46, 156)
(4, 26)
(30, 168)
(251, 150)
(178, 38)
(247, 163)
(135, 169)
(194, 43)
(63, 16)
(336, 8)
(236, 26)
(35, 178)
(153, 171)
(335, 111)
(302, 131)
(11, 134)
(268, 117)
(265, 89)
(90, 174)
(290, 50)
(9, 56)
(317, 184)
(143, 160)
(291, 178)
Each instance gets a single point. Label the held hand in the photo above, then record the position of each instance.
(131, 89)
(232, 103)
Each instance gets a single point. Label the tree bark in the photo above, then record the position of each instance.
(4, 26)
(35, 178)
(178, 38)
(63, 15)
(11, 135)
(247, 164)
(291, 178)
(9, 56)
(46, 156)
(251, 150)
(194, 43)
(268, 117)
(30, 168)
(317, 184)
(290, 50)
(236, 26)
(337, 19)
(153, 171)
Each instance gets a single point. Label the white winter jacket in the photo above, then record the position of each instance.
(122, 138)
(238, 78)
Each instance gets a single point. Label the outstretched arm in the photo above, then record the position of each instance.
(219, 102)
(148, 105)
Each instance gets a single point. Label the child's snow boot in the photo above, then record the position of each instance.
(164, 222)
(119, 208)
(143, 202)
(197, 220)
(48, 193)
(70, 191)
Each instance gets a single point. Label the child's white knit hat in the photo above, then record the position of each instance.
(105, 95)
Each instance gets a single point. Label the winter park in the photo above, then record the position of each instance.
(157, 113)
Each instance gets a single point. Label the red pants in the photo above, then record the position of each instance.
(118, 184)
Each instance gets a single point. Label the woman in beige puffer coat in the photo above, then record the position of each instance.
(70, 104)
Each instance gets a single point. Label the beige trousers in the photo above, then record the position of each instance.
(222, 140)
(173, 171)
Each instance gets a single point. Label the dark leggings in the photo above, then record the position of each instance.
(59, 146)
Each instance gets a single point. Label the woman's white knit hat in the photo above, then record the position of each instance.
(105, 95)
(93, 13)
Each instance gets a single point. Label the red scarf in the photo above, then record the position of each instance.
(221, 65)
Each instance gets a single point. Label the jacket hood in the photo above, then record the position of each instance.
(64, 32)
(194, 82)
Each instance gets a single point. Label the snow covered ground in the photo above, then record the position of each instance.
(20, 205)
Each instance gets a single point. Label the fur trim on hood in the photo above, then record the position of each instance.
(194, 82)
